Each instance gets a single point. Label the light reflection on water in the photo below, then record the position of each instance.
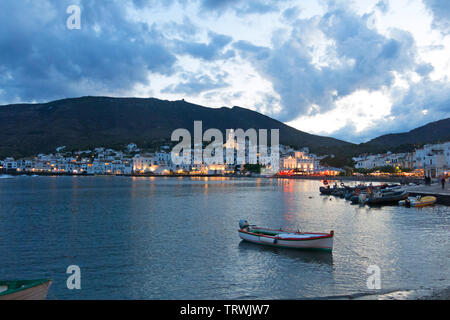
(176, 238)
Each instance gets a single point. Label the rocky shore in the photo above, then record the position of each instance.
(419, 294)
(443, 294)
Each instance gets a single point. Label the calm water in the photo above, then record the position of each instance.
(176, 238)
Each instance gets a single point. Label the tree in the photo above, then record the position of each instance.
(254, 168)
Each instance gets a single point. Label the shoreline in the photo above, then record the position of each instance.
(354, 178)
(363, 179)
(417, 294)
(398, 294)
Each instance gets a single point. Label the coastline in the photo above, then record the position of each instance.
(331, 178)
(443, 294)
(418, 294)
(354, 178)
(405, 294)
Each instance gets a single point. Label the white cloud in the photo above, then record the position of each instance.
(360, 108)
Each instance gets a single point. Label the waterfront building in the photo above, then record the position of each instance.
(163, 158)
(102, 161)
(9, 164)
(298, 160)
(434, 159)
(144, 163)
(372, 161)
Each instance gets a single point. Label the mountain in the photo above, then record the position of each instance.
(433, 132)
(87, 122)
(438, 131)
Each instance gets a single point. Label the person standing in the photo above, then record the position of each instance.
(443, 182)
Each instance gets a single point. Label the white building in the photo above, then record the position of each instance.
(434, 159)
(144, 163)
(9, 164)
(375, 161)
(298, 160)
(163, 158)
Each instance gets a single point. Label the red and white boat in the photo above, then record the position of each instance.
(286, 238)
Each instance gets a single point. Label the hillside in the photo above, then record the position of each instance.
(431, 132)
(78, 123)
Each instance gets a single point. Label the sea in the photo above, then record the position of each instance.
(176, 238)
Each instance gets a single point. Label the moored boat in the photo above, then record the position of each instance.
(286, 238)
(385, 198)
(418, 201)
(24, 289)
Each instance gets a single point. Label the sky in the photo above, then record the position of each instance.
(352, 70)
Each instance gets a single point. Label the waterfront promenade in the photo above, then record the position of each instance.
(435, 189)
(442, 195)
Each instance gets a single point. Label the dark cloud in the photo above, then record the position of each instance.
(240, 7)
(41, 59)
(187, 29)
(383, 6)
(360, 58)
(218, 4)
(249, 50)
(433, 96)
(441, 14)
(291, 13)
(207, 51)
(194, 84)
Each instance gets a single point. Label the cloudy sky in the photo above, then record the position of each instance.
(348, 69)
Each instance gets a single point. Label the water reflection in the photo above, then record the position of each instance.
(167, 238)
(307, 256)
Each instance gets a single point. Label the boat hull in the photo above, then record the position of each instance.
(30, 291)
(389, 199)
(322, 242)
(423, 202)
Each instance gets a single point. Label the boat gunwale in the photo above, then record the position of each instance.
(31, 284)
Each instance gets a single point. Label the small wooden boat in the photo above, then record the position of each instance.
(24, 289)
(418, 201)
(286, 238)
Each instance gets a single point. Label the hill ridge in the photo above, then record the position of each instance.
(91, 121)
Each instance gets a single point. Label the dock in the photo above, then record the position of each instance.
(442, 195)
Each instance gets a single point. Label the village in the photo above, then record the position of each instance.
(134, 161)
(431, 160)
